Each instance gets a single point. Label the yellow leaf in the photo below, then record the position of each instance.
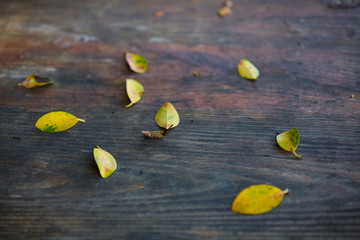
(289, 140)
(225, 9)
(53, 122)
(105, 162)
(258, 199)
(137, 63)
(31, 82)
(134, 91)
(247, 70)
(167, 116)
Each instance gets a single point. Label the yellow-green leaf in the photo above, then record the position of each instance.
(137, 63)
(105, 162)
(134, 91)
(167, 116)
(247, 70)
(53, 122)
(289, 140)
(225, 9)
(258, 199)
(32, 81)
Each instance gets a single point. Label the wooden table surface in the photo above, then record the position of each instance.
(180, 187)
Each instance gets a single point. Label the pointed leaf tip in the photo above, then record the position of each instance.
(289, 140)
(167, 117)
(258, 199)
(136, 62)
(247, 70)
(54, 122)
(105, 162)
(134, 90)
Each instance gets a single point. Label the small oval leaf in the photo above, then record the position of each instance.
(289, 140)
(167, 116)
(134, 91)
(105, 162)
(258, 199)
(247, 70)
(137, 63)
(32, 81)
(54, 122)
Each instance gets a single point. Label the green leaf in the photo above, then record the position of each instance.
(137, 63)
(289, 140)
(167, 116)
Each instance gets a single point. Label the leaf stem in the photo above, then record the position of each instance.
(81, 120)
(45, 83)
(19, 84)
(129, 105)
(296, 155)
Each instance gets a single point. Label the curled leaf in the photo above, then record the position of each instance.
(32, 81)
(289, 140)
(53, 122)
(258, 199)
(167, 116)
(134, 91)
(105, 162)
(156, 134)
(137, 63)
(247, 70)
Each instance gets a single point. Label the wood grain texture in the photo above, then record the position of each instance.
(180, 187)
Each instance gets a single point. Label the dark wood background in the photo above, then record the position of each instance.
(180, 187)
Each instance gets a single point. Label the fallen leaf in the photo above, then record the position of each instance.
(167, 116)
(53, 122)
(247, 70)
(258, 199)
(32, 81)
(105, 162)
(225, 9)
(289, 140)
(134, 91)
(154, 134)
(137, 63)
(196, 72)
(159, 14)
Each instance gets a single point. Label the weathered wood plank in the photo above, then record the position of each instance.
(180, 187)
